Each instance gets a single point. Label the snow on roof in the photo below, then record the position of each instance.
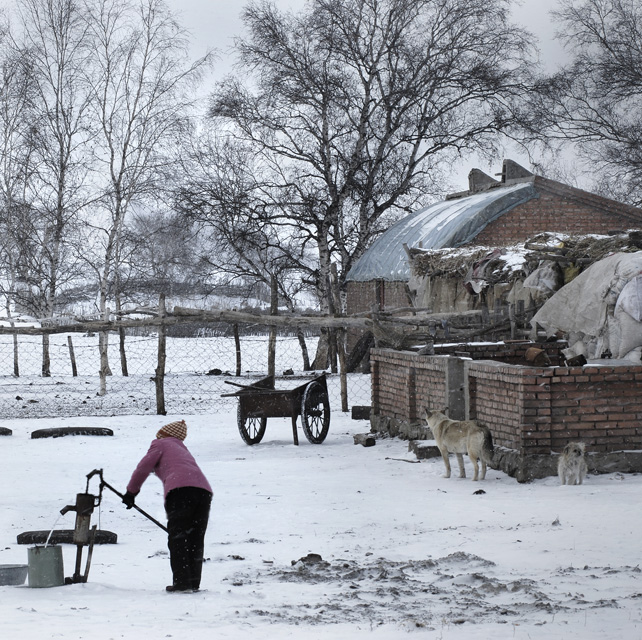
(450, 223)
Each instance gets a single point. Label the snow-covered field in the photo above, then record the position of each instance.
(404, 551)
(188, 387)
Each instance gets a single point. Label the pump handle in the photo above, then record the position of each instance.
(103, 483)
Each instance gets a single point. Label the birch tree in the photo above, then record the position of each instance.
(54, 46)
(140, 94)
(16, 95)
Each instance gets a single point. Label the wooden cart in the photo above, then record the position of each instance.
(260, 401)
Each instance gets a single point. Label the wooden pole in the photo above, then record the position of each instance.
(121, 338)
(72, 356)
(237, 344)
(16, 363)
(46, 360)
(159, 376)
(274, 311)
(340, 340)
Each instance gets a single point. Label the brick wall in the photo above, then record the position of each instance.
(600, 405)
(495, 398)
(403, 382)
(557, 208)
(379, 294)
(363, 296)
(532, 410)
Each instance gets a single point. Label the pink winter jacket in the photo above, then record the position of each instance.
(170, 460)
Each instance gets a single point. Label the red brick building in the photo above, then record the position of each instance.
(491, 213)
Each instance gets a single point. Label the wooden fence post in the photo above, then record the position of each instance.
(159, 377)
(339, 337)
(46, 359)
(16, 364)
(121, 339)
(274, 311)
(72, 356)
(513, 321)
(237, 344)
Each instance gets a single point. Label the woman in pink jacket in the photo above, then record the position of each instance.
(188, 497)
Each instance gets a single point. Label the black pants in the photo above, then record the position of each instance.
(188, 510)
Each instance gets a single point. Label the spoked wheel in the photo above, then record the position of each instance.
(315, 413)
(251, 428)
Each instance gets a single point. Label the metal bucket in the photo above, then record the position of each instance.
(46, 568)
(15, 574)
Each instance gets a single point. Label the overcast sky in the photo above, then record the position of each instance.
(214, 23)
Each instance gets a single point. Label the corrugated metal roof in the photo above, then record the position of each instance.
(450, 223)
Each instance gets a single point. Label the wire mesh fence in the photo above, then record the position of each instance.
(196, 369)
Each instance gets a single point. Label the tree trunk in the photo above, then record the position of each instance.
(274, 311)
(103, 347)
(341, 351)
(321, 359)
(339, 335)
(237, 344)
(46, 361)
(322, 356)
(159, 376)
(304, 349)
(332, 355)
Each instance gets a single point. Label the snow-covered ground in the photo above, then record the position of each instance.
(404, 551)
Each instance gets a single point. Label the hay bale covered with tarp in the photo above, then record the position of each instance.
(461, 279)
(600, 310)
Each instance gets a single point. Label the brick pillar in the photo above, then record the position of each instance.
(536, 423)
(411, 390)
(456, 383)
(375, 378)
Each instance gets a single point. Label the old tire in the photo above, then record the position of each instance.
(59, 432)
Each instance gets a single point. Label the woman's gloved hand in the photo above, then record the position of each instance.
(128, 499)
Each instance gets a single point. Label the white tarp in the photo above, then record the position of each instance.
(600, 309)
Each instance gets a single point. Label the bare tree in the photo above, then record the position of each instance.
(55, 49)
(595, 102)
(223, 192)
(223, 189)
(16, 94)
(354, 103)
(140, 92)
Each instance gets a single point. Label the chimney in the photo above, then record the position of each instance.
(479, 181)
(513, 171)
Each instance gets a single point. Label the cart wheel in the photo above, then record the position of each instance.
(315, 413)
(252, 429)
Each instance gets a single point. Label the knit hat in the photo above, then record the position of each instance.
(173, 430)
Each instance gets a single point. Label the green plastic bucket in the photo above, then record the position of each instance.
(46, 568)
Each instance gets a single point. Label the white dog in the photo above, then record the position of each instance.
(571, 467)
(459, 437)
